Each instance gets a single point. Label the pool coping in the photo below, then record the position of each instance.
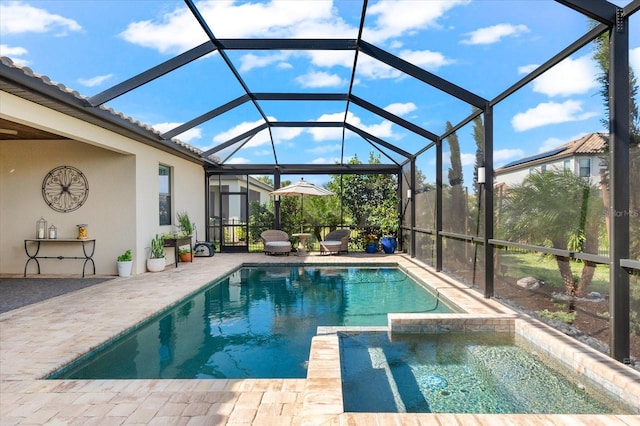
(38, 339)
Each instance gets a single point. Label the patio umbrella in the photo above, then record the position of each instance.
(302, 188)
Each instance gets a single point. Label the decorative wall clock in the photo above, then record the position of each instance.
(65, 189)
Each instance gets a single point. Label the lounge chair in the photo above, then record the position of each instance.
(276, 241)
(335, 242)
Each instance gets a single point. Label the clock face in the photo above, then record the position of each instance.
(65, 189)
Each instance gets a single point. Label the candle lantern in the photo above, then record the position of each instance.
(41, 228)
(82, 231)
(53, 232)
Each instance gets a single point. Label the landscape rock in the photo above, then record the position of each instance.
(529, 283)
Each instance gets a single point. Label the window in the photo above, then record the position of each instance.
(585, 167)
(531, 170)
(543, 168)
(164, 190)
(567, 164)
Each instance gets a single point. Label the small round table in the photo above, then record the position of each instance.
(302, 239)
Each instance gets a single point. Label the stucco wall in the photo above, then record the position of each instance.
(122, 207)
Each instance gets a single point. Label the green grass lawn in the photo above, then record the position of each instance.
(545, 268)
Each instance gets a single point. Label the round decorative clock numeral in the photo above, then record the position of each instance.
(65, 189)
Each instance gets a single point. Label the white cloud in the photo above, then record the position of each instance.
(634, 60)
(381, 130)
(327, 133)
(553, 142)
(19, 18)
(238, 160)
(466, 159)
(187, 137)
(501, 155)
(374, 69)
(15, 53)
(331, 58)
(425, 58)
(251, 61)
(400, 109)
(394, 19)
(569, 77)
(258, 139)
(550, 143)
(323, 160)
(526, 69)
(320, 79)
(494, 33)
(178, 30)
(550, 113)
(94, 81)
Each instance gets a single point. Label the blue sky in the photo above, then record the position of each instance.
(484, 46)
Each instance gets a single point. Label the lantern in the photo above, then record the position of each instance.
(41, 229)
(53, 232)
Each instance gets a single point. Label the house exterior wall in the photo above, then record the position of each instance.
(515, 176)
(122, 209)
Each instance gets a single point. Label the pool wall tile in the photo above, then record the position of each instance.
(621, 382)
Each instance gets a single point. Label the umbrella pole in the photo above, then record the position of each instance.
(301, 213)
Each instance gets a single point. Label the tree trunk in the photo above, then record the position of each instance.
(567, 276)
(585, 278)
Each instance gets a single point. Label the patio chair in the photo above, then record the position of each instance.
(335, 242)
(275, 242)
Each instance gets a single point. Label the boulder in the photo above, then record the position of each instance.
(529, 283)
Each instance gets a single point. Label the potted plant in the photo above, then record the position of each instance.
(156, 261)
(185, 224)
(370, 243)
(388, 223)
(185, 254)
(125, 262)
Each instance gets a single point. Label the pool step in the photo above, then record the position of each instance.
(379, 361)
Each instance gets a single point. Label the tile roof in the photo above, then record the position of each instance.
(42, 83)
(592, 143)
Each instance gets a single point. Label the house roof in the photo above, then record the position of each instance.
(590, 144)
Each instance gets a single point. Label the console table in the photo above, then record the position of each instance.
(178, 242)
(87, 255)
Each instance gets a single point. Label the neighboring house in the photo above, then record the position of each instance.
(137, 181)
(583, 156)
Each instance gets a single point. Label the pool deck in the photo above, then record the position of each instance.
(37, 339)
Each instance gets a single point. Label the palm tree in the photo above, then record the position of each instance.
(557, 209)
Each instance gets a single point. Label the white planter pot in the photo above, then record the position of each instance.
(124, 268)
(156, 265)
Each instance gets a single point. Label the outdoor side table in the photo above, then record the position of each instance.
(176, 243)
(87, 255)
(302, 239)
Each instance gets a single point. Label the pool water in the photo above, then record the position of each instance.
(455, 373)
(256, 323)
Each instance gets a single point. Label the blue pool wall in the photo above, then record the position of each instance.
(594, 369)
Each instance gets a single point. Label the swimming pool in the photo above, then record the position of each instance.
(457, 373)
(255, 323)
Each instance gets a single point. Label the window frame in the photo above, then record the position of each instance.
(165, 199)
(586, 167)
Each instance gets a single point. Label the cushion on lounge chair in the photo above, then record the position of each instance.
(276, 241)
(339, 235)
